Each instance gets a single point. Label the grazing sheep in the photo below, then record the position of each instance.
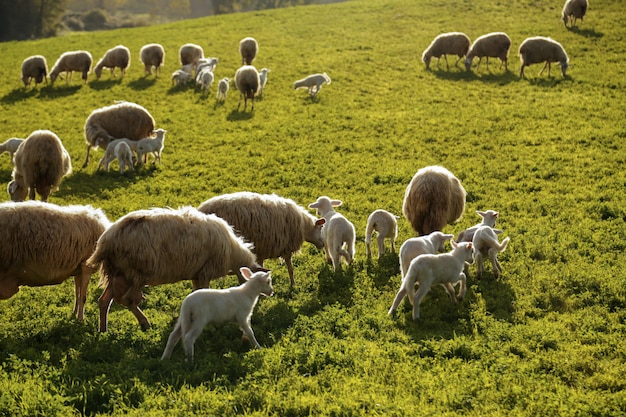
(216, 307)
(190, 53)
(152, 55)
(180, 77)
(443, 268)
(496, 44)
(222, 88)
(44, 244)
(540, 49)
(118, 56)
(313, 83)
(489, 219)
(34, 67)
(337, 233)
(247, 82)
(485, 243)
(451, 43)
(204, 79)
(385, 225)
(572, 10)
(11, 146)
(276, 226)
(263, 79)
(111, 152)
(153, 145)
(248, 48)
(120, 120)
(433, 198)
(163, 246)
(69, 62)
(41, 162)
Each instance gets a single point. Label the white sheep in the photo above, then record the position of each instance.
(247, 82)
(451, 43)
(338, 232)
(180, 77)
(124, 156)
(313, 83)
(574, 9)
(222, 88)
(263, 78)
(431, 269)
(204, 79)
(69, 62)
(248, 48)
(385, 224)
(216, 307)
(486, 243)
(116, 57)
(489, 218)
(34, 68)
(153, 145)
(495, 44)
(190, 53)
(111, 154)
(11, 146)
(541, 49)
(207, 63)
(152, 55)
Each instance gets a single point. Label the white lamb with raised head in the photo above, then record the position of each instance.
(190, 53)
(489, 218)
(276, 226)
(385, 224)
(247, 82)
(116, 57)
(151, 145)
(339, 234)
(495, 44)
(216, 307)
(69, 62)
(34, 68)
(222, 88)
(263, 78)
(540, 49)
(572, 10)
(10, 146)
(451, 43)
(152, 55)
(313, 83)
(163, 246)
(486, 244)
(111, 153)
(248, 48)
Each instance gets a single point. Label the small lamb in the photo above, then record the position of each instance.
(124, 155)
(338, 232)
(263, 78)
(110, 153)
(385, 225)
(11, 146)
(485, 243)
(313, 83)
(152, 145)
(222, 88)
(180, 77)
(204, 79)
(210, 306)
(489, 219)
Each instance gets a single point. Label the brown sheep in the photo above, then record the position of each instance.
(190, 53)
(152, 55)
(69, 62)
(574, 9)
(118, 56)
(452, 43)
(248, 48)
(248, 82)
(34, 67)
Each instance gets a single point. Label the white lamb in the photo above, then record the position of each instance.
(152, 145)
(263, 78)
(338, 232)
(11, 146)
(109, 154)
(204, 79)
(489, 219)
(313, 83)
(180, 77)
(124, 156)
(385, 225)
(486, 243)
(222, 88)
(206, 63)
(210, 306)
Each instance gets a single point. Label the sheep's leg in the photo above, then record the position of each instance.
(189, 339)
(87, 157)
(31, 193)
(487, 63)
(463, 288)
(381, 245)
(479, 60)
(104, 303)
(247, 331)
(81, 282)
(287, 259)
(393, 245)
(368, 244)
(446, 58)
(450, 291)
(546, 64)
(171, 342)
(479, 265)
(419, 295)
(396, 302)
(521, 71)
(493, 255)
(141, 318)
(456, 64)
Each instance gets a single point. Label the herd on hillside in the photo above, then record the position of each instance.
(227, 234)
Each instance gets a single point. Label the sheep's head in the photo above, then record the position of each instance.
(314, 234)
(438, 240)
(17, 191)
(261, 278)
(98, 71)
(489, 217)
(324, 205)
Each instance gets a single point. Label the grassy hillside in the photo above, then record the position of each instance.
(546, 338)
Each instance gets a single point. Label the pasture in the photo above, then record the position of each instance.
(545, 338)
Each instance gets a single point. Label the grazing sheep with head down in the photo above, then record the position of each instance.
(190, 54)
(116, 57)
(120, 120)
(34, 68)
(41, 162)
(433, 198)
(385, 225)
(248, 48)
(69, 62)
(541, 49)
(163, 246)
(451, 43)
(313, 83)
(276, 226)
(45, 244)
(337, 233)
(152, 55)
(572, 10)
(11, 146)
(496, 44)
(486, 243)
(247, 82)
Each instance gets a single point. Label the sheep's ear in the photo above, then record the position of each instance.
(497, 231)
(246, 272)
(12, 187)
(481, 213)
(336, 203)
(314, 205)
(469, 246)
(454, 244)
(448, 237)
(320, 222)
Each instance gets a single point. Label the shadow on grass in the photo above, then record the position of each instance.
(99, 85)
(381, 270)
(237, 115)
(587, 33)
(142, 83)
(19, 94)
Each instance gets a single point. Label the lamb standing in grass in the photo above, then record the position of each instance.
(496, 44)
(541, 49)
(489, 219)
(247, 82)
(124, 156)
(574, 9)
(263, 79)
(153, 145)
(222, 88)
(338, 232)
(486, 243)
(152, 55)
(34, 68)
(204, 79)
(385, 225)
(452, 43)
(111, 152)
(216, 307)
(116, 57)
(180, 77)
(313, 83)
(248, 48)
(69, 62)
(11, 146)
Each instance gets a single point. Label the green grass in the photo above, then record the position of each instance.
(546, 338)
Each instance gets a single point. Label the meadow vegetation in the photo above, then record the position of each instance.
(545, 338)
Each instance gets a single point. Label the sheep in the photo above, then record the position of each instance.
(190, 53)
(120, 120)
(204, 79)
(222, 88)
(489, 219)
(180, 77)
(443, 268)
(152, 55)
(451, 43)
(162, 246)
(34, 67)
(313, 83)
(44, 244)
(276, 226)
(433, 198)
(248, 48)
(337, 233)
(485, 243)
(216, 307)
(153, 145)
(385, 225)
(11, 146)
(118, 56)
(572, 10)
(110, 154)
(263, 79)
(41, 162)
(247, 82)
(495, 44)
(207, 63)
(541, 49)
(69, 62)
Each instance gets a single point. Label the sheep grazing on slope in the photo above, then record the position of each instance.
(385, 225)
(163, 246)
(153, 145)
(485, 243)
(69, 62)
(489, 219)
(276, 226)
(222, 88)
(572, 10)
(496, 44)
(207, 306)
(451, 43)
(313, 83)
(44, 244)
(247, 82)
(540, 49)
(263, 79)
(248, 48)
(116, 57)
(190, 53)
(41, 162)
(433, 198)
(11, 146)
(338, 233)
(152, 55)
(120, 120)
(34, 68)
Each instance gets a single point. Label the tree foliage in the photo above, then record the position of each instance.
(25, 19)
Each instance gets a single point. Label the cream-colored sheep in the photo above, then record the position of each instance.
(263, 79)
(385, 224)
(116, 57)
(451, 43)
(495, 44)
(572, 10)
(190, 53)
(34, 68)
(541, 49)
(248, 48)
(69, 62)
(152, 55)
(489, 218)
(247, 82)
(181, 77)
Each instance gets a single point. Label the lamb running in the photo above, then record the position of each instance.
(485, 243)
(337, 233)
(489, 219)
(385, 225)
(313, 83)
